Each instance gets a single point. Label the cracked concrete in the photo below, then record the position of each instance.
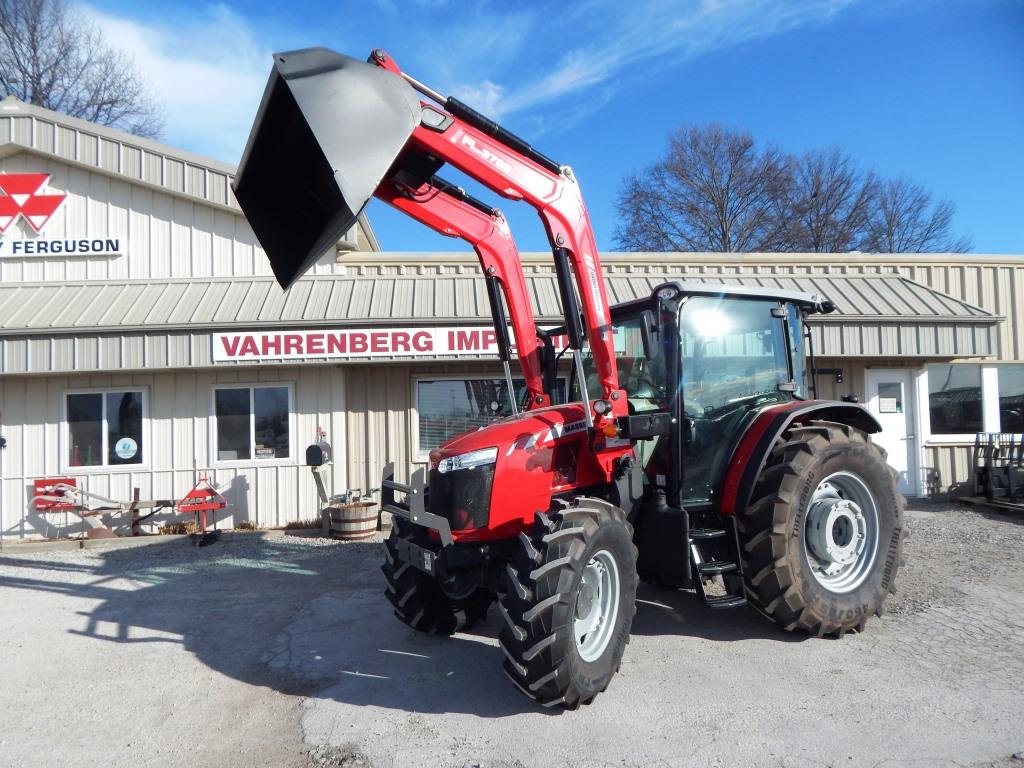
(276, 650)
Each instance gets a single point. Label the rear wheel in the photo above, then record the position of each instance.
(822, 540)
(568, 603)
(426, 603)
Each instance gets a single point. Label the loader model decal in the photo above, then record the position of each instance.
(501, 164)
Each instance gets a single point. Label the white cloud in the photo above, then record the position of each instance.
(485, 97)
(208, 72)
(605, 44)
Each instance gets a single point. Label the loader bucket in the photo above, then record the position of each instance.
(327, 131)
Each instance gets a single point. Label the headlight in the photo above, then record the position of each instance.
(469, 460)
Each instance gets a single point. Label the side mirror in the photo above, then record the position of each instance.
(647, 334)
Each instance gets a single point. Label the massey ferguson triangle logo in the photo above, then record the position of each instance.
(20, 193)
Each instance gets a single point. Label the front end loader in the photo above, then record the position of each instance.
(691, 452)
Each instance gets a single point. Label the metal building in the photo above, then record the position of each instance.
(143, 339)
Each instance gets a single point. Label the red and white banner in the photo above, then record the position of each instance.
(353, 344)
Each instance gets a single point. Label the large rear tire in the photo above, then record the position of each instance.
(823, 539)
(421, 601)
(568, 603)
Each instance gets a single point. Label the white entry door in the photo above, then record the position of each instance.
(891, 400)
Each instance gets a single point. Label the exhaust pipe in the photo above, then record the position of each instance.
(327, 132)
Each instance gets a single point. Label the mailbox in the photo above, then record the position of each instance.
(318, 454)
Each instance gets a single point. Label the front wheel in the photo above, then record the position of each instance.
(425, 603)
(568, 603)
(822, 541)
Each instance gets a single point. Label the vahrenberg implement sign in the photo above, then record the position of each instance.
(349, 344)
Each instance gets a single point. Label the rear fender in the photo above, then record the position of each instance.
(752, 451)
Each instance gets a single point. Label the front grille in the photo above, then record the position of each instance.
(462, 497)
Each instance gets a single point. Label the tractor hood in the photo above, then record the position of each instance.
(327, 131)
(525, 432)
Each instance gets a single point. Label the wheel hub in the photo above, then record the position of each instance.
(585, 601)
(841, 532)
(835, 530)
(597, 606)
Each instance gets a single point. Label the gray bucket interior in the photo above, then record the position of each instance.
(327, 132)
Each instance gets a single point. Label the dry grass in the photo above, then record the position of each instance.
(178, 529)
(304, 525)
(248, 525)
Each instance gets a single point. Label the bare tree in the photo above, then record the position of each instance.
(713, 191)
(828, 203)
(904, 219)
(52, 56)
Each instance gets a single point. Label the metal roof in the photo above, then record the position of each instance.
(339, 300)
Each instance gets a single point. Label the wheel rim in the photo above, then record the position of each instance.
(597, 606)
(841, 532)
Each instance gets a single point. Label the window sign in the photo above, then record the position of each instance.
(104, 428)
(890, 397)
(252, 423)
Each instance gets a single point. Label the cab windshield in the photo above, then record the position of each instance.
(734, 353)
(644, 380)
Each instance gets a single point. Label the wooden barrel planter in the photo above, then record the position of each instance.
(353, 521)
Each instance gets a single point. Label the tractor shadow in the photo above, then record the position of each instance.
(663, 611)
(302, 620)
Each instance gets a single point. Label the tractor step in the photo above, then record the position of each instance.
(703, 534)
(715, 567)
(722, 602)
(714, 553)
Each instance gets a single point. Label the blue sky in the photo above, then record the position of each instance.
(933, 91)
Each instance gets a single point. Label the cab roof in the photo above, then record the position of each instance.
(810, 302)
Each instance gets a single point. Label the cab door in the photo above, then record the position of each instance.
(734, 362)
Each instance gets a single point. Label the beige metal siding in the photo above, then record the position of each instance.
(179, 416)
(380, 421)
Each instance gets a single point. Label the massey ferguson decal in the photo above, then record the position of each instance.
(25, 196)
(22, 195)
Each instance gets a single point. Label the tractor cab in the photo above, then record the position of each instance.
(712, 356)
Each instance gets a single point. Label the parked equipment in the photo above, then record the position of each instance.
(62, 494)
(689, 455)
(999, 470)
(203, 498)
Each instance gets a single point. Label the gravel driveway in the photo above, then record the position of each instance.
(276, 650)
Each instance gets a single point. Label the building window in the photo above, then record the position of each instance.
(448, 407)
(964, 399)
(954, 399)
(1011, 398)
(104, 429)
(252, 423)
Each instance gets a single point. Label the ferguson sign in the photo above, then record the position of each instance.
(26, 196)
(349, 344)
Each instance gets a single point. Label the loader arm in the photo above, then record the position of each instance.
(435, 205)
(517, 172)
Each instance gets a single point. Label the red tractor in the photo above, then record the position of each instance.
(688, 452)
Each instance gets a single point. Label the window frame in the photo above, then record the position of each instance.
(422, 457)
(990, 421)
(292, 458)
(65, 431)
